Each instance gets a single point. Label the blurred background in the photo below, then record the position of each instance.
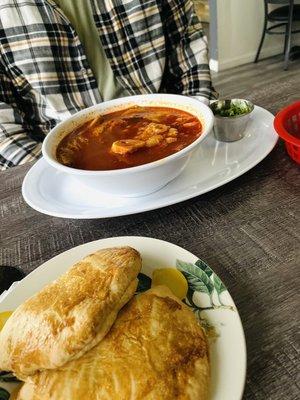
(234, 29)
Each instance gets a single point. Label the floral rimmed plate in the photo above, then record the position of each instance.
(206, 294)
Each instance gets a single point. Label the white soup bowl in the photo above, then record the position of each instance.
(133, 181)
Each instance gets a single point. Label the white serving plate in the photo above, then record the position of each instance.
(213, 164)
(227, 352)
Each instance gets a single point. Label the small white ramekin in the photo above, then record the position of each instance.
(134, 181)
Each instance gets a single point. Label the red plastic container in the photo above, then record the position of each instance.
(287, 125)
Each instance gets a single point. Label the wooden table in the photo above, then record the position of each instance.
(247, 230)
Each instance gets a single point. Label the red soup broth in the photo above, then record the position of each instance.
(128, 138)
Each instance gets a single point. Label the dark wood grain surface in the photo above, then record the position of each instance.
(247, 230)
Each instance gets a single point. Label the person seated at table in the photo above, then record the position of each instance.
(60, 56)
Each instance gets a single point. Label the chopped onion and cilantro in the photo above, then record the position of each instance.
(233, 110)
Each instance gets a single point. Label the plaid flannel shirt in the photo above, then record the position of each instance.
(152, 46)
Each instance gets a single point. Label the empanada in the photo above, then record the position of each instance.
(156, 350)
(71, 315)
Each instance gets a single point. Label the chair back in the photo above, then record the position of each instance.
(279, 1)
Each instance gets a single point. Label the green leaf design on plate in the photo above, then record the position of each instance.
(144, 283)
(197, 279)
(201, 278)
(219, 285)
(4, 395)
(205, 268)
(7, 377)
(189, 297)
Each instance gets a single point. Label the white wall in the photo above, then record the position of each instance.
(240, 24)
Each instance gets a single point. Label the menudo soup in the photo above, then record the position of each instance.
(127, 138)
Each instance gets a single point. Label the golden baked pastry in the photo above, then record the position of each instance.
(156, 350)
(71, 315)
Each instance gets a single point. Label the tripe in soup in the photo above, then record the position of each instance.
(127, 138)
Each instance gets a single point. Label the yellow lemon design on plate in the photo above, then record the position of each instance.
(173, 279)
(4, 317)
